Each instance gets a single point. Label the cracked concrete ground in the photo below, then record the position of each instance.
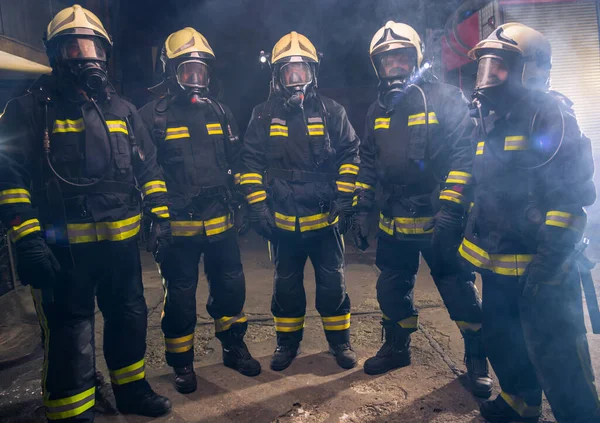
(313, 390)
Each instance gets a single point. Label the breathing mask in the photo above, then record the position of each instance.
(83, 61)
(193, 76)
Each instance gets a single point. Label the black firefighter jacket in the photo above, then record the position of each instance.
(419, 166)
(198, 150)
(84, 147)
(530, 187)
(310, 158)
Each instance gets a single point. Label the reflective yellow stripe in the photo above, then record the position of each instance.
(412, 225)
(466, 326)
(79, 233)
(355, 201)
(458, 177)
(68, 125)
(382, 123)
(75, 405)
(177, 133)
(179, 345)
(256, 197)
(502, 264)
(214, 129)
(364, 186)
(344, 186)
(419, 119)
(288, 324)
(566, 220)
(162, 211)
(28, 227)
(117, 126)
(336, 322)
(278, 130)
(237, 178)
(451, 195)
(316, 129)
(14, 196)
(218, 225)
(154, 187)
(187, 227)
(284, 222)
(520, 406)
(314, 222)
(128, 374)
(517, 142)
(225, 322)
(480, 146)
(251, 178)
(348, 169)
(386, 224)
(411, 322)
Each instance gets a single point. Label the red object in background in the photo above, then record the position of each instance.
(468, 31)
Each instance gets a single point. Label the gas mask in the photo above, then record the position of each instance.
(82, 63)
(295, 78)
(395, 69)
(496, 83)
(193, 77)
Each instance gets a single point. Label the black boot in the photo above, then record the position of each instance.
(344, 355)
(393, 354)
(283, 356)
(235, 352)
(498, 411)
(477, 365)
(185, 379)
(140, 399)
(103, 402)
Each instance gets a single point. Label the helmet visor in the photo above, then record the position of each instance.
(193, 74)
(397, 63)
(492, 71)
(83, 49)
(296, 74)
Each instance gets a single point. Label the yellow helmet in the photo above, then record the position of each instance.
(76, 20)
(393, 36)
(532, 46)
(294, 44)
(187, 42)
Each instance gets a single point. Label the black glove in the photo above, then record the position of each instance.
(447, 227)
(360, 230)
(36, 264)
(546, 266)
(159, 239)
(342, 207)
(262, 220)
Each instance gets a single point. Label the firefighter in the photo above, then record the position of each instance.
(71, 153)
(198, 147)
(417, 144)
(303, 203)
(533, 177)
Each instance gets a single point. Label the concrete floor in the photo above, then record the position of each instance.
(313, 390)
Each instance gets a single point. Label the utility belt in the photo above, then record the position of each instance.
(199, 192)
(293, 175)
(407, 191)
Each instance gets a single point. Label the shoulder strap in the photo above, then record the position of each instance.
(159, 125)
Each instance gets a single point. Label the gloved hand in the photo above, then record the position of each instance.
(159, 239)
(546, 266)
(36, 264)
(342, 207)
(262, 220)
(447, 227)
(360, 230)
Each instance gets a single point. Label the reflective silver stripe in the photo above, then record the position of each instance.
(106, 231)
(277, 121)
(315, 120)
(117, 125)
(288, 324)
(333, 324)
(217, 225)
(72, 406)
(173, 345)
(223, 325)
(122, 376)
(182, 132)
(314, 222)
(484, 260)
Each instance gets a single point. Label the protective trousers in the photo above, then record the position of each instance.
(227, 292)
(539, 343)
(398, 262)
(326, 252)
(112, 272)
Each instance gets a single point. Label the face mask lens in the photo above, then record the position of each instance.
(83, 49)
(193, 74)
(398, 63)
(492, 71)
(296, 75)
